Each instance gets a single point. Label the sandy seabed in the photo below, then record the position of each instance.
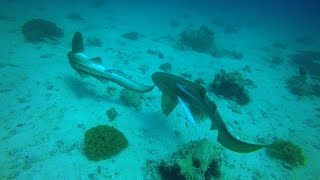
(46, 106)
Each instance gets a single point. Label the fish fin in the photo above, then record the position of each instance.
(233, 144)
(212, 112)
(96, 60)
(226, 139)
(168, 103)
(213, 127)
(77, 43)
(82, 74)
(203, 92)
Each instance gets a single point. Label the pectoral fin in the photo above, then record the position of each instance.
(213, 127)
(82, 74)
(168, 103)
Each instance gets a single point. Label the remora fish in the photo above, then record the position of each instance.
(170, 85)
(188, 113)
(86, 66)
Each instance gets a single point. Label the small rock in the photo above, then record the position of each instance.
(316, 146)
(74, 16)
(131, 99)
(112, 114)
(99, 169)
(94, 41)
(199, 81)
(186, 75)
(166, 67)
(314, 123)
(143, 68)
(91, 176)
(111, 91)
(287, 166)
(131, 36)
(47, 55)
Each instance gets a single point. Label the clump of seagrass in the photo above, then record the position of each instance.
(202, 40)
(39, 30)
(195, 160)
(231, 86)
(103, 141)
(131, 99)
(287, 152)
(199, 40)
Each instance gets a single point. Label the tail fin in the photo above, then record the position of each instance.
(233, 144)
(77, 43)
(225, 138)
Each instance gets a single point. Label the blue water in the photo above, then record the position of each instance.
(46, 107)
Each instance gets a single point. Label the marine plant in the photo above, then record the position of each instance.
(199, 40)
(306, 40)
(172, 172)
(131, 35)
(131, 98)
(156, 52)
(280, 45)
(111, 114)
(195, 160)
(276, 60)
(287, 152)
(202, 40)
(103, 141)
(174, 23)
(94, 41)
(316, 89)
(231, 86)
(74, 16)
(213, 170)
(165, 67)
(309, 60)
(299, 85)
(231, 28)
(39, 30)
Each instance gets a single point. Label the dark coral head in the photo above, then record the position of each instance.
(172, 172)
(213, 170)
(40, 30)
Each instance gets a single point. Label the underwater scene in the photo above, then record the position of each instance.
(159, 90)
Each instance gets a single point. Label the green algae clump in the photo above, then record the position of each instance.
(299, 85)
(287, 152)
(103, 141)
(231, 86)
(40, 30)
(131, 99)
(200, 40)
(196, 160)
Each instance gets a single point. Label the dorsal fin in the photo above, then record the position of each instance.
(77, 43)
(96, 60)
(203, 92)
